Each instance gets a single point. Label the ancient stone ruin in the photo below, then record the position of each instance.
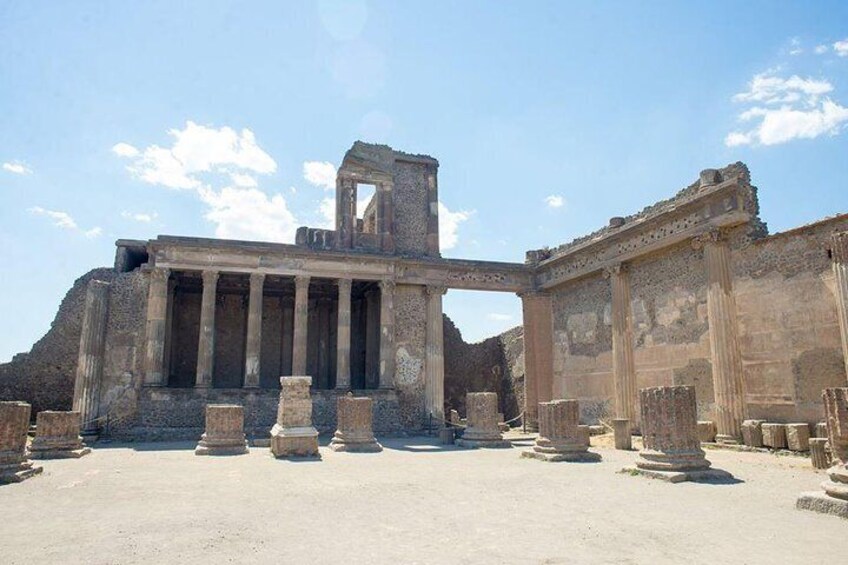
(294, 435)
(834, 499)
(354, 432)
(15, 465)
(482, 428)
(672, 450)
(560, 435)
(224, 433)
(57, 436)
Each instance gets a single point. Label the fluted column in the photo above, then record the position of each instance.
(301, 320)
(253, 346)
(434, 391)
(839, 255)
(623, 365)
(90, 362)
(156, 329)
(206, 342)
(387, 333)
(538, 353)
(724, 343)
(343, 336)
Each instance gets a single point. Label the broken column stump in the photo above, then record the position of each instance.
(482, 422)
(561, 438)
(672, 451)
(57, 436)
(752, 433)
(294, 435)
(834, 499)
(621, 433)
(354, 433)
(15, 465)
(707, 431)
(224, 433)
(818, 453)
(798, 437)
(774, 436)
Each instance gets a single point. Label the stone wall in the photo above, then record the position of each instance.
(411, 207)
(410, 303)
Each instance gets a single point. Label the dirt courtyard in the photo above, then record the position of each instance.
(416, 502)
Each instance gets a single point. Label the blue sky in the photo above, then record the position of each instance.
(128, 120)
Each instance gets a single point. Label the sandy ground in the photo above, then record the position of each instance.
(416, 502)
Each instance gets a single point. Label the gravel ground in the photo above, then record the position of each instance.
(416, 502)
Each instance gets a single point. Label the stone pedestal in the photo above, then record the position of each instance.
(14, 424)
(798, 437)
(57, 436)
(447, 436)
(774, 435)
(834, 499)
(672, 450)
(706, 431)
(752, 433)
(821, 430)
(621, 432)
(818, 453)
(294, 435)
(482, 417)
(561, 438)
(354, 431)
(224, 431)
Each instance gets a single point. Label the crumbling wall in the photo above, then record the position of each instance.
(411, 207)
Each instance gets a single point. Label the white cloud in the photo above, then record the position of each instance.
(139, 217)
(250, 214)
(320, 173)
(820, 49)
(795, 46)
(555, 201)
(787, 109)
(124, 150)
(65, 221)
(841, 48)
(17, 168)
(495, 317)
(327, 209)
(244, 180)
(449, 223)
(196, 150)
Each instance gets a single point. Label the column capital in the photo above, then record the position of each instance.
(344, 285)
(839, 247)
(532, 293)
(617, 269)
(210, 276)
(257, 279)
(302, 281)
(160, 274)
(712, 236)
(434, 290)
(387, 286)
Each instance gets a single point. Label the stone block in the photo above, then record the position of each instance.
(446, 436)
(224, 433)
(354, 433)
(621, 432)
(774, 435)
(818, 453)
(482, 429)
(798, 437)
(57, 436)
(294, 435)
(15, 465)
(561, 437)
(706, 431)
(752, 433)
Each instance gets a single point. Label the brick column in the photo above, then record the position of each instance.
(387, 333)
(434, 389)
(157, 327)
(839, 255)
(254, 331)
(301, 319)
(206, 342)
(623, 365)
(538, 353)
(343, 336)
(385, 215)
(724, 344)
(90, 363)
(433, 249)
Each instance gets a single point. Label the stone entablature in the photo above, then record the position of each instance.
(693, 212)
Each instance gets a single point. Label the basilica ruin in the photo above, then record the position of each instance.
(691, 291)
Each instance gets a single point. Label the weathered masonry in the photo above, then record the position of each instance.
(690, 291)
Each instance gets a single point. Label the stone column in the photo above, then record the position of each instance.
(343, 336)
(724, 344)
(254, 331)
(621, 434)
(206, 343)
(354, 432)
(560, 437)
(157, 323)
(385, 215)
(482, 419)
(538, 353)
(90, 363)
(387, 333)
(57, 436)
(839, 255)
(434, 389)
(672, 450)
(433, 249)
(294, 435)
(301, 322)
(224, 434)
(623, 365)
(372, 339)
(345, 214)
(834, 499)
(14, 424)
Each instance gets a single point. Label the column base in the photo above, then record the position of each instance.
(482, 443)
(355, 447)
(727, 440)
(205, 448)
(59, 453)
(818, 501)
(19, 472)
(705, 475)
(572, 457)
(294, 442)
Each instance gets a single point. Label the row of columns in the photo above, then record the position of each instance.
(157, 323)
